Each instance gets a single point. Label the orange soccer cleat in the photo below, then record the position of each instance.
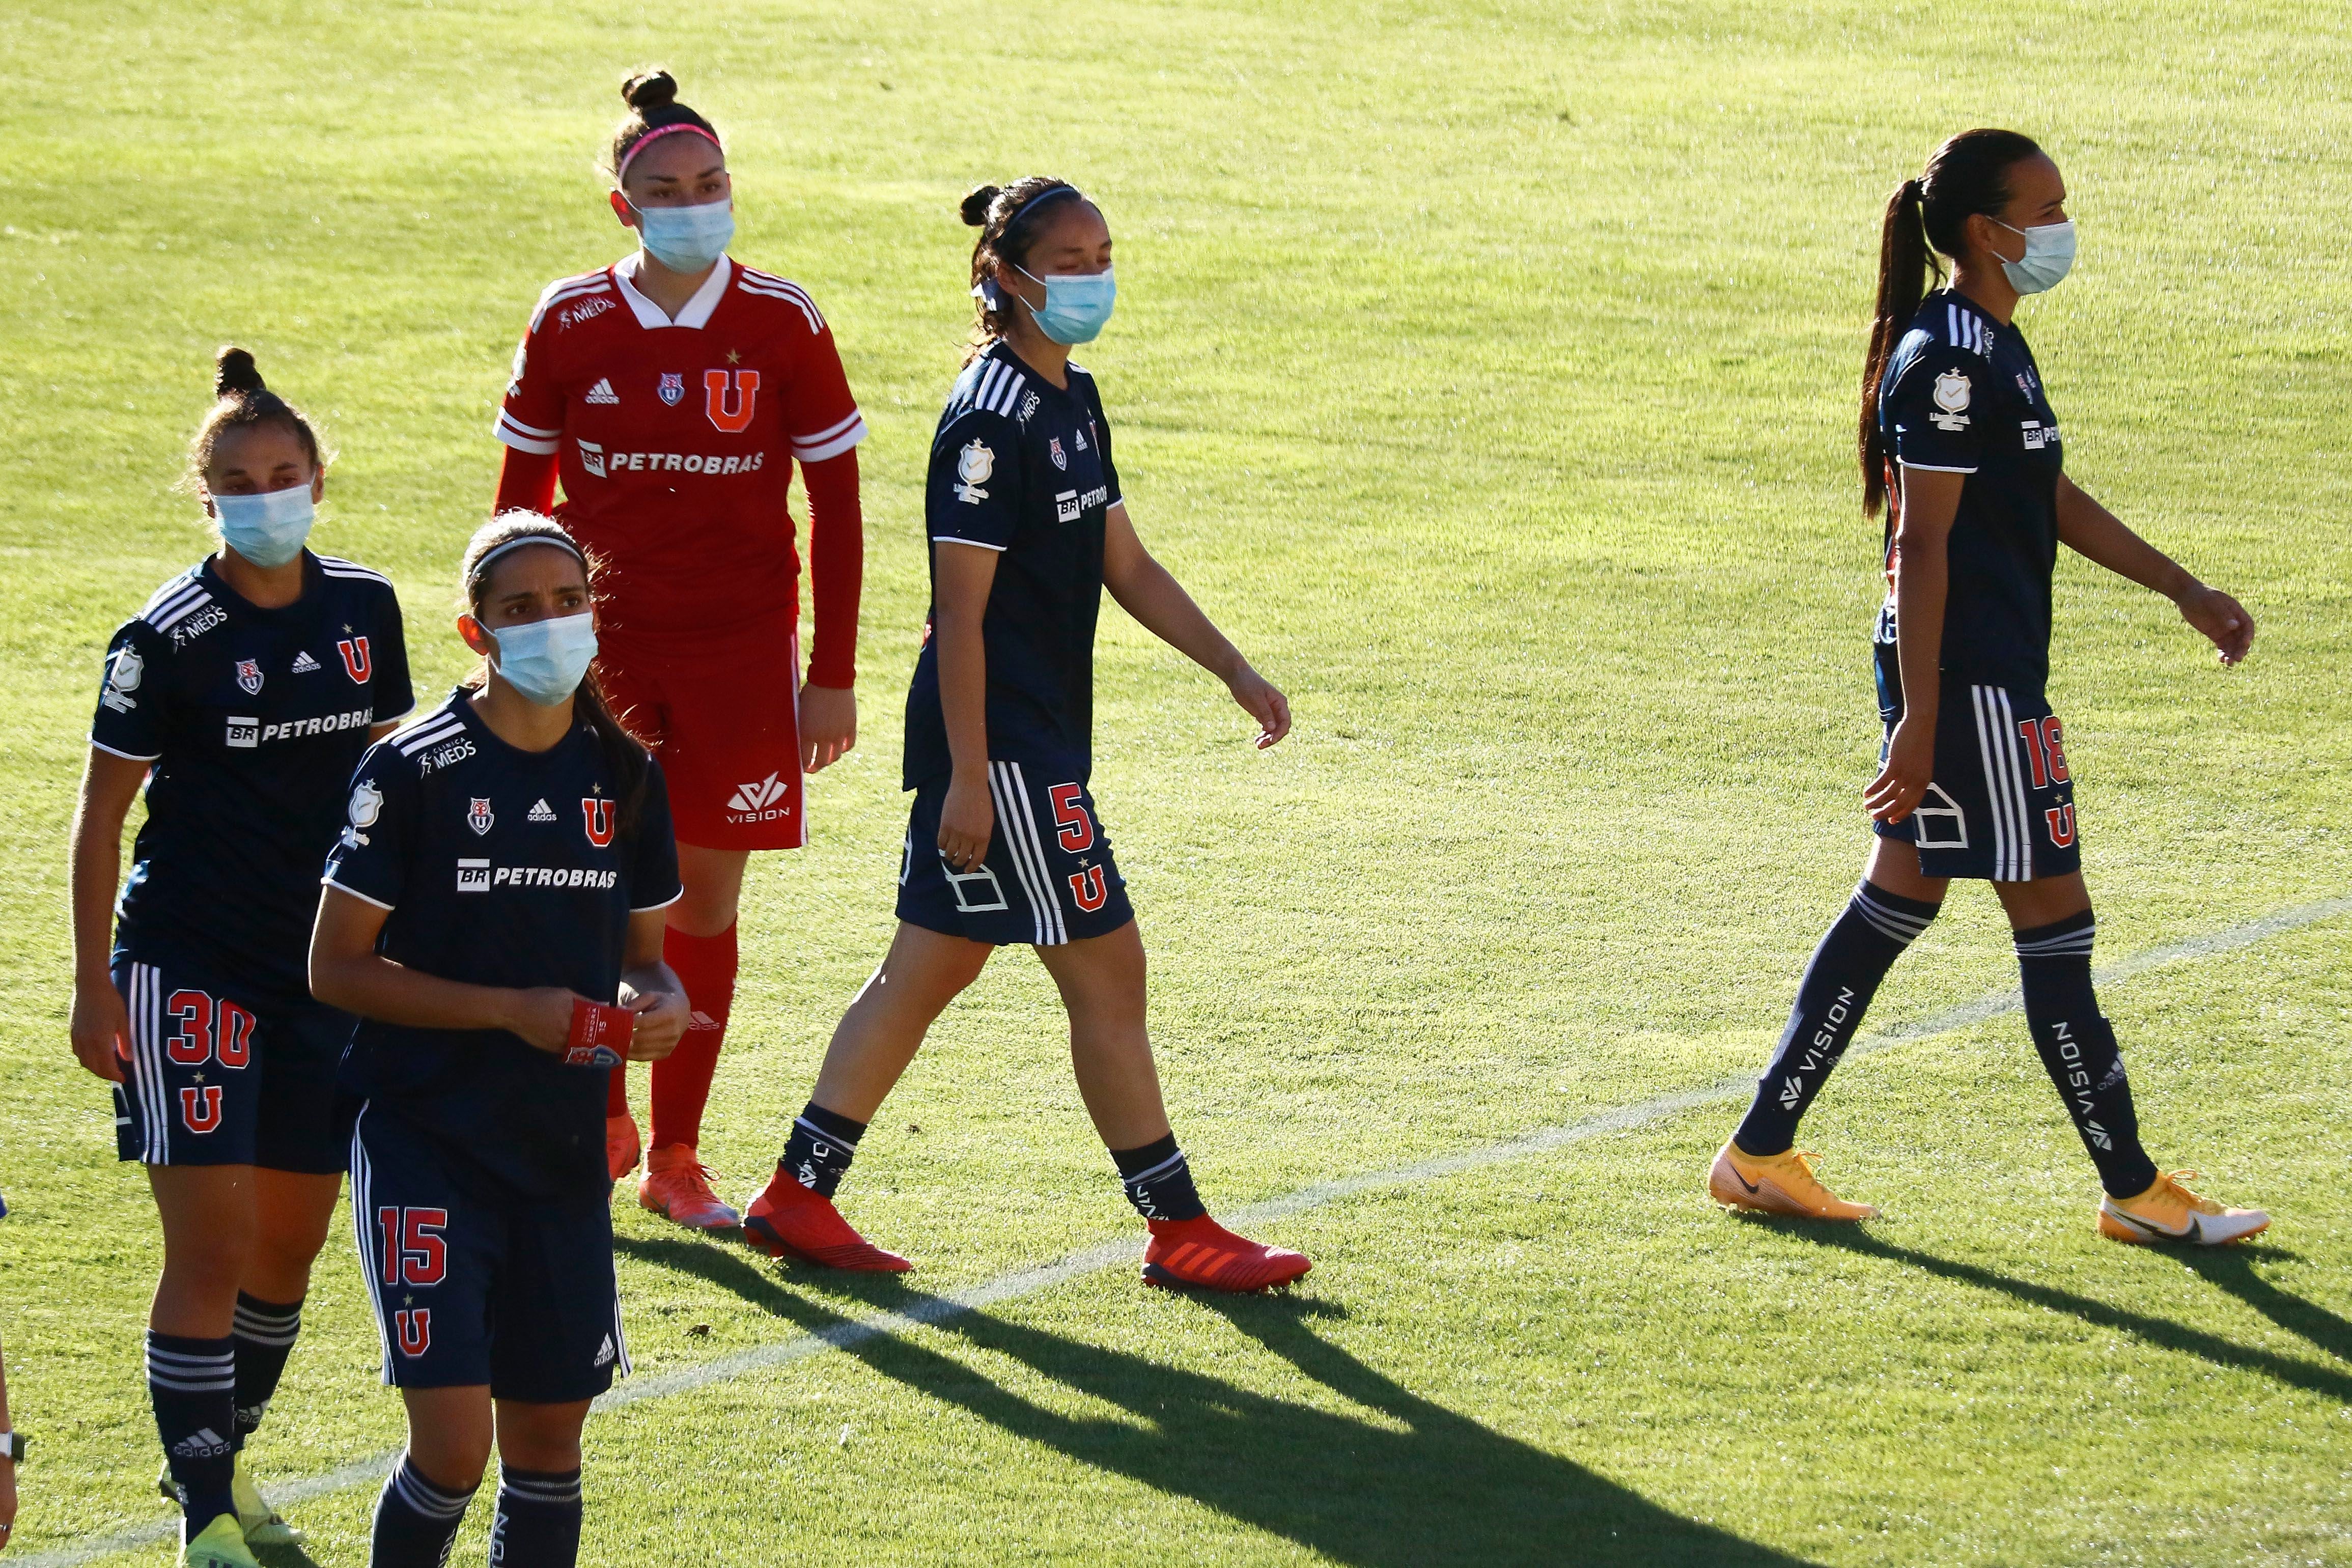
(621, 1146)
(2168, 1211)
(1776, 1184)
(1203, 1254)
(676, 1186)
(789, 1220)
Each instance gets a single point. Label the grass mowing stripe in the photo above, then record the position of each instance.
(928, 1311)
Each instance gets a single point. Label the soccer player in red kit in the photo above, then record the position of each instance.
(671, 394)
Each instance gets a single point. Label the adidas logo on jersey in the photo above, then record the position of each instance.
(604, 1353)
(759, 802)
(602, 393)
(203, 1443)
(542, 812)
(304, 664)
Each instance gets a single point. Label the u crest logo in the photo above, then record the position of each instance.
(415, 1325)
(200, 1108)
(1087, 889)
(599, 814)
(355, 658)
(716, 387)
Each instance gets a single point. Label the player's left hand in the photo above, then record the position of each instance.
(1262, 702)
(2221, 618)
(828, 725)
(662, 1018)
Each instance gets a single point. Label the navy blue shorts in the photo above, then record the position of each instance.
(218, 1077)
(2001, 807)
(1048, 878)
(474, 1286)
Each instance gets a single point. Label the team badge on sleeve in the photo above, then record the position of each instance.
(367, 804)
(1951, 393)
(249, 676)
(123, 679)
(672, 387)
(973, 465)
(479, 816)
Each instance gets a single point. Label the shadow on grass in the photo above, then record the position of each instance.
(2231, 1268)
(1425, 1486)
(2235, 1275)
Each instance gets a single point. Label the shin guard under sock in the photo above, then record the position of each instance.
(705, 966)
(415, 1520)
(538, 1524)
(820, 1149)
(1844, 975)
(2079, 1051)
(193, 1383)
(264, 1333)
(1159, 1181)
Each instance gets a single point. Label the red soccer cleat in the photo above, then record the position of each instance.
(789, 1220)
(1203, 1254)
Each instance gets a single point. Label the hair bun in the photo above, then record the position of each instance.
(976, 203)
(234, 374)
(649, 90)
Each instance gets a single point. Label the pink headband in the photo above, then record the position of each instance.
(650, 137)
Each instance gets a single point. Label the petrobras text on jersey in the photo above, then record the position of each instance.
(603, 464)
(245, 734)
(481, 877)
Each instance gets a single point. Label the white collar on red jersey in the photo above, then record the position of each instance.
(696, 315)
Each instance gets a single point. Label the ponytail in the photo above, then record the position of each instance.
(1927, 218)
(624, 758)
(1904, 263)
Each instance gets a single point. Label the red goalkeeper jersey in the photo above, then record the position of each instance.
(676, 438)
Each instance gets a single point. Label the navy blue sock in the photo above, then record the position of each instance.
(1855, 955)
(2079, 1051)
(1159, 1181)
(415, 1520)
(264, 1333)
(822, 1145)
(539, 1518)
(193, 1383)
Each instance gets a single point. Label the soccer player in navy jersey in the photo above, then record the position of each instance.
(1028, 526)
(240, 697)
(494, 913)
(1959, 443)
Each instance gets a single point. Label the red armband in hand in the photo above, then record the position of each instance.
(600, 1035)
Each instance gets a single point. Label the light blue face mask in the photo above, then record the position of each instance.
(687, 239)
(2049, 257)
(267, 530)
(1077, 304)
(545, 660)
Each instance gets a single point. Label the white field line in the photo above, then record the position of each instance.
(1020, 1282)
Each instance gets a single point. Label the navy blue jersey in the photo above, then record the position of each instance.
(1020, 467)
(253, 719)
(504, 868)
(1961, 394)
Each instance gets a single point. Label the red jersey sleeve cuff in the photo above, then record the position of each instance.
(830, 442)
(525, 437)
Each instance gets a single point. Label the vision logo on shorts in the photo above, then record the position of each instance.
(763, 801)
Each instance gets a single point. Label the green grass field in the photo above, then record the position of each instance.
(1488, 371)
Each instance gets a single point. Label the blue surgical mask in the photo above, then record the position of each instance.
(267, 530)
(1077, 304)
(2049, 257)
(545, 660)
(687, 239)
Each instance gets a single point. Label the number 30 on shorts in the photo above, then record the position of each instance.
(211, 1029)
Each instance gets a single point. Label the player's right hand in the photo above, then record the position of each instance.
(662, 1020)
(967, 818)
(542, 1016)
(1910, 767)
(100, 1028)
